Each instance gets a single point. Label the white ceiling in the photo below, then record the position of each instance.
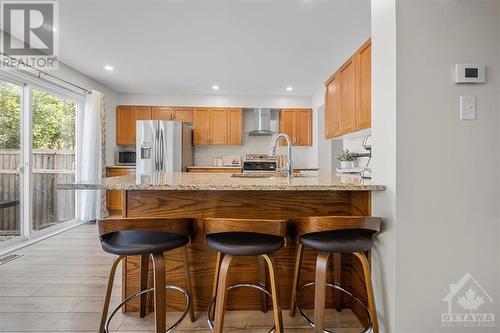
(251, 47)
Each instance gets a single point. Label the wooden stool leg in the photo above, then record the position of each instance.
(369, 289)
(320, 291)
(107, 298)
(187, 278)
(273, 276)
(296, 278)
(216, 281)
(262, 280)
(159, 283)
(220, 305)
(337, 279)
(144, 285)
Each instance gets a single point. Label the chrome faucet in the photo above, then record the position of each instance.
(289, 150)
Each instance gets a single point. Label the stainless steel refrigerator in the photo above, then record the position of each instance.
(162, 146)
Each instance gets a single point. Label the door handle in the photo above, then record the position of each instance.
(162, 150)
(156, 150)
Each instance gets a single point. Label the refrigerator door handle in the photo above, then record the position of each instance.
(156, 149)
(162, 148)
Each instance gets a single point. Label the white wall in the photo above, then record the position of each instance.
(447, 209)
(204, 155)
(384, 159)
(71, 75)
(216, 100)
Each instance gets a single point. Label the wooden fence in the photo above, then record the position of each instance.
(50, 206)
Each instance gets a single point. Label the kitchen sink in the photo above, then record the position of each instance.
(265, 175)
(253, 175)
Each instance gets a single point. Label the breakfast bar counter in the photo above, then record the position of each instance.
(200, 195)
(188, 181)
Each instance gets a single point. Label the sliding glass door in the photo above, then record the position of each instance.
(10, 161)
(39, 126)
(53, 159)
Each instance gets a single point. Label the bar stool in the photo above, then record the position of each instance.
(334, 234)
(147, 238)
(244, 237)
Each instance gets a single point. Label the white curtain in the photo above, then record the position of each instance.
(93, 156)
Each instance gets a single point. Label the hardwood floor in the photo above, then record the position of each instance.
(59, 284)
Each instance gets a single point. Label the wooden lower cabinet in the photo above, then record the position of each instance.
(114, 199)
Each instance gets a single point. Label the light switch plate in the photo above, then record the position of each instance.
(467, 108)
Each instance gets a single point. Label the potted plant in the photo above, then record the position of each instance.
(346, 159)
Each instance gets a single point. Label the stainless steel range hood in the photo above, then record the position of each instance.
(261, 122)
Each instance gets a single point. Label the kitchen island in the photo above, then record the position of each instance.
(199, 195)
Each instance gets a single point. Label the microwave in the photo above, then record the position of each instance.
(126, 157)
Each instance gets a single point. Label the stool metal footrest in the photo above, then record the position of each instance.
(368, 328)
(235, 286)
(168, 330)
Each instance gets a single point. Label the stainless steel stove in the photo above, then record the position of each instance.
(259, 163)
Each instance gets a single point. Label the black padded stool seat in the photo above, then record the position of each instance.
(244, 243)
(339, 241)
(139, 242)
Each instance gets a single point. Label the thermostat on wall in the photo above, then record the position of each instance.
(469, 73)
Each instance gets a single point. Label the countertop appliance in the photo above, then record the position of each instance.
(163, 146)
(259, 163)
(125, 157)
(231, 160)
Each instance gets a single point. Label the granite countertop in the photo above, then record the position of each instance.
(187, 181)
(236, 167)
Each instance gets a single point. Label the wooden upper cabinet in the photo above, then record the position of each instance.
(202, 127)
(286, 124)
(348, 97)
(162, 113)
(297, 123)
(219, 127)
(125, 125)
(332, 108)
(235, 126)
(170, 113)
(303, 127)
(142, 113)
(183, 114)
(126, 116)
(364, 86)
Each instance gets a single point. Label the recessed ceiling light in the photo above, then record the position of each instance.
(215, 87)
(289, 88)
(109, 68)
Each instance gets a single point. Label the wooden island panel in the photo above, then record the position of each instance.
(245, 204)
